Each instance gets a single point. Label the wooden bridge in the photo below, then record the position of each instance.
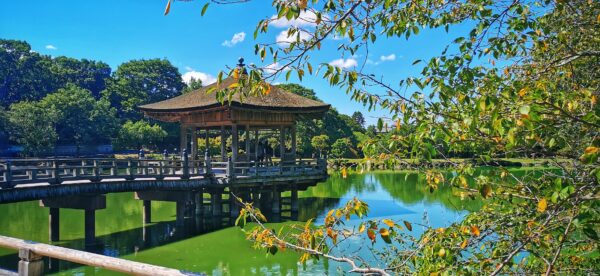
(81, 183)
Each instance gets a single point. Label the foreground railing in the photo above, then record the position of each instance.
(32, 263)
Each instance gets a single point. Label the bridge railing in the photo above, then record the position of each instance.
(275, 168)
(60, 170)
(56, 171)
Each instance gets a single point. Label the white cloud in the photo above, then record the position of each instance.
(306, 19)
(51, 47)
(283, 40)
(237, 38)
(344, 63)
(271, 68)
(388, 57)
(204, 77)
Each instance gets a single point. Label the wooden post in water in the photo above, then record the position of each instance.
(147, 212)
(90, 227)
(180, 216)
(31, 264)
(294, 198)
(276, 201)
(216, 205)
(54, 224)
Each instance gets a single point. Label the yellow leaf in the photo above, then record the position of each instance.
(542, 204)
(522, 92)
(398, 124)
(591, 150)
(371, 235)
(442, 252)
(234, 85)
(236, 74)
(389, 223)
(464, 244)
(475, 230)
(344, 172)
(168, 8)
(403, 108)
(361, 228)
(302, 4)
(593, 100)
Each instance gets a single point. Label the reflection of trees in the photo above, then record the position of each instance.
(337, 187)
(412, 189)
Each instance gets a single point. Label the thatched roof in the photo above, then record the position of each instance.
(277, 100)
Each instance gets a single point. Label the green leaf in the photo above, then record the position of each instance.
(524, 109)
(204, 9)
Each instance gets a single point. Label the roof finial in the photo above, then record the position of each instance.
(241, 66)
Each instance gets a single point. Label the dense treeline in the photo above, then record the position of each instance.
(48, 101)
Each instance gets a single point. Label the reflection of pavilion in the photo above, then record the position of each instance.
(202, 115)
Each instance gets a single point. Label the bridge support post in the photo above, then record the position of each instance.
(199, 203)
(90, 227)
(276, 201)
(183, 200)
(216, 205)
(180, 213)
(256, 199)
(294, 199)
(234, 207)
(147, 213)
(54, 224)
(89, 203)
(31, 264)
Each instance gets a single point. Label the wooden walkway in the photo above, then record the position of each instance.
(30, 179)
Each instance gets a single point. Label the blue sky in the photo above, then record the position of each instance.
(117, 31)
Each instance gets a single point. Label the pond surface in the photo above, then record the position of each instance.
(215, 250)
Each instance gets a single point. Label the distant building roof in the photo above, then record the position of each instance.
(277, 100)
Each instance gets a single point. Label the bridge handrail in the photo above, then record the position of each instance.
(31, 252)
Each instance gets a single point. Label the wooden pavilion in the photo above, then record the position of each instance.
(200, 114)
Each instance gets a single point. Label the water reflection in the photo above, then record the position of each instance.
(209, 244)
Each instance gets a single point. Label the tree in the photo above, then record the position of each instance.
(341, 148)
(140, 134)
(24, 74)
(80, 119)
(32, 126)
(517, 75)
(358, 117)
(139, 82)
(87, 74)
(320, 143)
(194, 84)
(333, 124)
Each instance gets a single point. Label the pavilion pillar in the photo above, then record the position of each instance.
(234, 143)
(183, 138)
(54, 224)
(281, 142)
(207, 141)
(293, 133)
(223, 142)
(247, 143)
(194, 142)
(256, 145)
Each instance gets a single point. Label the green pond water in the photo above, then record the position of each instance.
(213, 247)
